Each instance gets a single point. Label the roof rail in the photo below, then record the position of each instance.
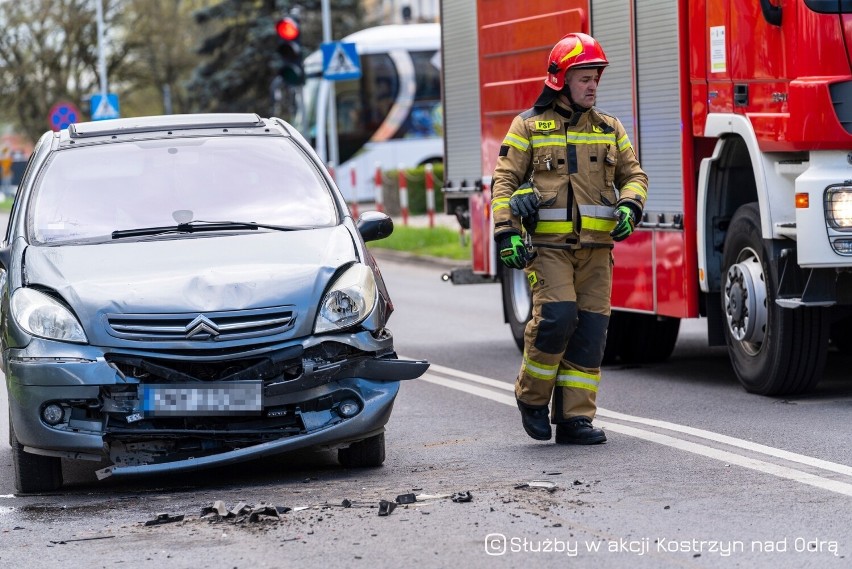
(163, 122)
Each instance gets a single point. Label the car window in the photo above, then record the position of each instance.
(88, 192)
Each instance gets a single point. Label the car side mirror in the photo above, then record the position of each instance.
(5, 257)
(374, 225)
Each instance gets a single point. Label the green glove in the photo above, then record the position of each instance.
(626, 222)
(513, 252)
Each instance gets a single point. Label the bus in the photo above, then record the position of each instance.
(391, 116)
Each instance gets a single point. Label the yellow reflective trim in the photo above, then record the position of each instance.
(579, 379)
(539, 370)
(554, 227)
(577, 384)
(545, 125)
(636, 187)
(539, 141)
(499, 203)
(532, 278)
(596, 224)
(518, 142)
(590, 138)
(624, 143)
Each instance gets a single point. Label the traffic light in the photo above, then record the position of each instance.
(290, 50)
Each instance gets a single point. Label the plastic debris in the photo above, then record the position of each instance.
(462, 496)
(164, 519)
(262, 512)
(346, 503)
(64, 541)
(406, 498)
(219, 508)
(548, 485)
(385, 507)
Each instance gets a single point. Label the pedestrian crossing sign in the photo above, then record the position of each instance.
(104, 108)
(340, 61)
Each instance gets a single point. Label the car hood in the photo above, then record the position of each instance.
(198, 274)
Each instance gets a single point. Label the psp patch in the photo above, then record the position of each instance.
(545, 125)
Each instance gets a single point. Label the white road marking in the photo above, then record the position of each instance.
(666, 440)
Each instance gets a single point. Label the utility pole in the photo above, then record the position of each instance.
(332, 103)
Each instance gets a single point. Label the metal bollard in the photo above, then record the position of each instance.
(353, 203)
(430, 195)
(403, 194)
(380, 198)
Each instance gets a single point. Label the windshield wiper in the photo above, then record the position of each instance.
(199, 226)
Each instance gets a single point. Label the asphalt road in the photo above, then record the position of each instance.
(696, 472)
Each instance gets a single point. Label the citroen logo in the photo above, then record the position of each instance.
(201, 325)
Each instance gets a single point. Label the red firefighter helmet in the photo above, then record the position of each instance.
(574, 51)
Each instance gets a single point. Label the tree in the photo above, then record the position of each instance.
(162, 37)
(241, 59)
(48, 53)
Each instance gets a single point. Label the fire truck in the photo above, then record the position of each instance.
(741, 114)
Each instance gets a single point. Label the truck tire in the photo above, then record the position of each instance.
(517, 305)
(366, 453)
(647, 338)
(773, 350)
(33, 472)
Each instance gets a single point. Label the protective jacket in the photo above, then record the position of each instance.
(583, 165)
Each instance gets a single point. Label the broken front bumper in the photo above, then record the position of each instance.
(105, 412)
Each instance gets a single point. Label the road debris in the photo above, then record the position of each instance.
(385, 507)
(65, 541)
(548, 485)
(164, 519)
(409, 498)
(462, 496)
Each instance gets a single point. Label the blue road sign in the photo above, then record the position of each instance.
(63, 114)
(103, 108)
(340, 61)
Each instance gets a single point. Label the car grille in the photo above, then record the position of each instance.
(198, 327)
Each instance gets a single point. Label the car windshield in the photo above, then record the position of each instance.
(86, 193)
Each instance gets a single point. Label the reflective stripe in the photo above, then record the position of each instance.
(544, 227)
(553, 214)
(591, 138)
(624, 143)
(499, 203)
(602, 211)
(539, 140)
(595, 224)
(636, 187)
(539, 370)
(518, 142)
(574, 378)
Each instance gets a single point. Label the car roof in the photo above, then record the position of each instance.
(167, 124)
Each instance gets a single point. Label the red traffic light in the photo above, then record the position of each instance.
(287, 29)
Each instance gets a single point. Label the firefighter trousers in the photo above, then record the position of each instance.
(565, 338)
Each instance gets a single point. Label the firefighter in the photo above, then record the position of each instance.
(567, 184)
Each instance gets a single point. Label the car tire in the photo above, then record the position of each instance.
(366, 453)
(34, 473)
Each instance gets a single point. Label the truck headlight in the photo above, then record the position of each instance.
(348, 301)
(43, 316)
(838, 207)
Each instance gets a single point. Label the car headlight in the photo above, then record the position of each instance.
(348, 301)
(838, 207)
(43, 316)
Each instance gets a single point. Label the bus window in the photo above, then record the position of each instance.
(421, 121)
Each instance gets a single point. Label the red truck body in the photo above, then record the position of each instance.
(740, 111)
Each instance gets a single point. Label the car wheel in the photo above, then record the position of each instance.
(773, 350)
(369, 452)
(517, 304)
(34, 472)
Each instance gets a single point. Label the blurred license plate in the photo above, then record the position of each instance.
(182, 399)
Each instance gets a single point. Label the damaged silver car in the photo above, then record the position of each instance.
(188, 291)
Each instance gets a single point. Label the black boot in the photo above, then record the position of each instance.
(536, 421)
(579, 431)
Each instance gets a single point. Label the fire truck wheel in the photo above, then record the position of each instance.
(773, 350)
(841, 335)
(517, 306)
